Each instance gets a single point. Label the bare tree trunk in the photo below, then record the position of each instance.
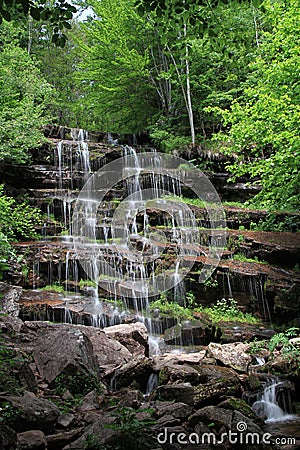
(188, 90)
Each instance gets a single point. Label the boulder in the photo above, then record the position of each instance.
(212, 415)
(178, 409)
(65, 420)
(181, 392)
(178, 372)
(233, 355)
(32, 440)
(8, 438)
(134, 373)
(133, 336)
(9, 300)
(67, 349)
(31, 412)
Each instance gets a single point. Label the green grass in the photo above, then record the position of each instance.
(242, 258)
(227, 311)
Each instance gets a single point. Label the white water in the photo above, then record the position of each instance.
(267, 407)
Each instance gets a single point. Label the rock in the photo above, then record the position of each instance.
(90, 402)
(196, 332)
(181, 392)
(131, 399)
(237, 404)
(11, 325)
(249, 425)
(32, 440)
(32, 412)
(67, 349)
(133, 336)
(8, 438)
(167, 421)
(233, 355)
(212, 414)
(58, 440)
(9, 300)
(134, 374)
(65, 420)
(179, 410)
(215, 383)
(159, 361)
(178, 372)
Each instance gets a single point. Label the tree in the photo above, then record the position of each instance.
(114, 70)
(25, 102)
(264, 120)
(58, 13)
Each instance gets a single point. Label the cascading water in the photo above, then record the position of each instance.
(267, 406)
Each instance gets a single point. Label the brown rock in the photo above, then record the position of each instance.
(32, 440)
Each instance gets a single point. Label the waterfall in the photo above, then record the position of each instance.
(267, 406)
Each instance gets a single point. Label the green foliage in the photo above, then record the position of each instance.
(17, 221)
(282, 340)
(57, 13)
(210, 283)
(256, 346)
(54, 288)
(242, 258)
(6, 253)
(264, 120)
(227, 310)
(77, 383)
(168, 142)
(8, 377)
(168, 308)
(25, 100)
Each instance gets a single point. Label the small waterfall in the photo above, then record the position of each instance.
(152, 383)
(268, 408)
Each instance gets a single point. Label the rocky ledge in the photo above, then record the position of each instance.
(77, 387)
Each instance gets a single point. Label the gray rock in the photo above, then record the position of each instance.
(133, 336)
(32, 440)
(9, 300)
(135, 374)
(32, 412)
(212, 414)
(65, 420)
(90, 402)
(196, 332)
(179, 410)
(181, 392)
(233, 355)
(66, 349)
(178, 372)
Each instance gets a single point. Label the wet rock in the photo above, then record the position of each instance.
(196, 332)
(134, 374)
(67, 349)
(9, 300)
(133, 336)
(233, 355)
(32, 440)
(181, 392)
(178, 372)
(31, 412)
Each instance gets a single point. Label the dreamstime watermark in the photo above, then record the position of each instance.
(240, 436)
(134, 260)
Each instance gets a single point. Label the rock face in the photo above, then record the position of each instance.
(9, 299)
(196, 332)
(67, 349)
(133, 336)
(233, 355)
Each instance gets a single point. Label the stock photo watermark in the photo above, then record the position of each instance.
(241, 436)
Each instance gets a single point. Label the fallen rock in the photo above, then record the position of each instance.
(133, 336)
(90, 402)
(32, 440)
(178, 409)
(212, 414)
(65, 420)
(31, 412)
(233, 355)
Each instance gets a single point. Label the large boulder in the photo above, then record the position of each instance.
(181, 393)
(135, 374)
(133, 336)
(30, 412)
(171, 373)
(32, 440)
(68, 349)
(233, 355)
